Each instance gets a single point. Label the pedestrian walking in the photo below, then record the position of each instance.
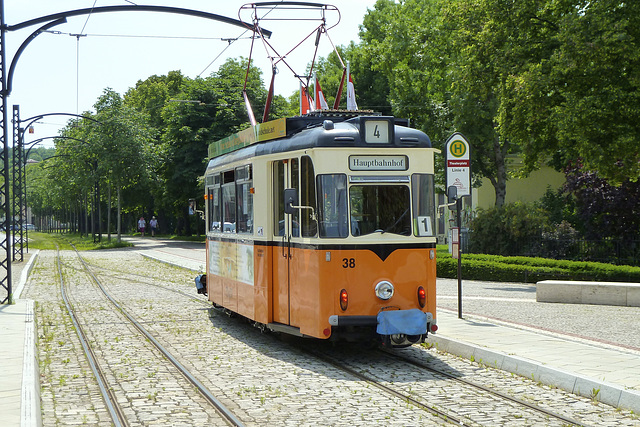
(153, 224)
(142, 224)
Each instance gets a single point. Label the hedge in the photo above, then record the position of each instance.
(530, 270)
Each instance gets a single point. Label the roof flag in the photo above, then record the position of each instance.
(351, 93)
(305, 105)
(321, 103)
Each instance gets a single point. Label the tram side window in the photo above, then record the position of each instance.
(307, 197)
(423, 204)
(244, 182)
(278, 188)
(213, 205)
(332, 205)
(228, 202)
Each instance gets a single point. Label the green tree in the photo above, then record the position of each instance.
(579, 97)
(435, 80)
(204, 110)
(112, 155)
(123, 146)
(546, 78)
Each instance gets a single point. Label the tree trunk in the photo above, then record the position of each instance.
(119, 216)
(86, 213)
(499, 182)
(109, 214)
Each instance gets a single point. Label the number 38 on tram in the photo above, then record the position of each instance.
(323, 226)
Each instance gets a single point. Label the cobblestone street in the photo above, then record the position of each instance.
(262, 379)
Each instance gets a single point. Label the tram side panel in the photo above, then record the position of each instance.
(263, 272)
(230, 275)
(214, 281)
(308, 284)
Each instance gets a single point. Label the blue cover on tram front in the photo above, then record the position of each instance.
(409, 322)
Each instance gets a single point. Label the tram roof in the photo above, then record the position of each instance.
(318, 129)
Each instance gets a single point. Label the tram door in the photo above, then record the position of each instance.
(286, 175)
(289, 265)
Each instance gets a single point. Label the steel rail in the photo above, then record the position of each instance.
(494, 392)
(202, 389)
(447, 417)
(114, 409)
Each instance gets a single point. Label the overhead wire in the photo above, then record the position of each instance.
(231, 41)
(80, 34)
(226, 39)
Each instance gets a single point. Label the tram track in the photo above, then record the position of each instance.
(111, 401)
(266, 380)
(107, 386)
(422, 399)
(397, 357)
(444, 415)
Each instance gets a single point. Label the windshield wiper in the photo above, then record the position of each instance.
(395, 223)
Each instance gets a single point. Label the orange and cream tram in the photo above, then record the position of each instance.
(323, 226)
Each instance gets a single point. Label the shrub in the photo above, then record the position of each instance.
(530, 269)
(502, 230)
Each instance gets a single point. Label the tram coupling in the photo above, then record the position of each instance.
(201, 284)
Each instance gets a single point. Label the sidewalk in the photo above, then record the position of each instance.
(189, 255)
(20, 383)
(609, 375)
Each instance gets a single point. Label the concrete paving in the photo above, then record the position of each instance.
(19, 378)
(610, 375)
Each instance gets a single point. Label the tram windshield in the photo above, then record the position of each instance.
(376, 205)
(380, 208)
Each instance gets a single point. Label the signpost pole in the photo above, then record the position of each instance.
(459, 254)
(458, 162)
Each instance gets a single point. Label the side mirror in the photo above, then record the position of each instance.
(290, 200)
(452, 193)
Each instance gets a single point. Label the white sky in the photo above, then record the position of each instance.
(59, 73)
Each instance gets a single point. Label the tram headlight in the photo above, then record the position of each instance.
(384, 290)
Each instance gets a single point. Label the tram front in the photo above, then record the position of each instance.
(376, 245)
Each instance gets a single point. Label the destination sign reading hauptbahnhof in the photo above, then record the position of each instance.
(378, 163)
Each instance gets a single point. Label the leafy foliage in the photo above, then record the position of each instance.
(542, 79)
(150, 147)
(503, 230)
(604, 210)
(531, 270)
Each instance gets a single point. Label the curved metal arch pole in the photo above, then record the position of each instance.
(24, 167)
(23, 46)
(20, 170)
(132, 8)
(6, 86)
(40, 116)
(5, 204)
(17, 196)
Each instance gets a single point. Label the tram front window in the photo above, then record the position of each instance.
(380, 208)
